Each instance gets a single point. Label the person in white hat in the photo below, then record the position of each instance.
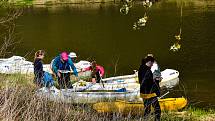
(72, 55)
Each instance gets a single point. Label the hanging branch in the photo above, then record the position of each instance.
(181, 18)
(176, 46)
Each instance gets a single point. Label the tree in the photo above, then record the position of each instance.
(8, 36)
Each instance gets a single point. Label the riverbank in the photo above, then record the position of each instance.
(55, 2)
(19, 102)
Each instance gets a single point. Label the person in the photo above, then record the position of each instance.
(73, 56)
(156, 73)
(97, 72)
(62, 66)
(41, 78)
(149, 90)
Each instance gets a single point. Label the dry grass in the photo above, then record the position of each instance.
(18, 101)
(21, 103)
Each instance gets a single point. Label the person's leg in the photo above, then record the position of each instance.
(61, 81)
(68, 81)
(157, 109)
(98, 77)
(64, 80)
(93, 78)
(147, 108)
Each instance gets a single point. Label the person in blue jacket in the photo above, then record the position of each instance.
(41, 77)
(61, 66)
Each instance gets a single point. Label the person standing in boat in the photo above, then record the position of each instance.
(97, 72)
(62, 66)
(148, 88)
(41, 78)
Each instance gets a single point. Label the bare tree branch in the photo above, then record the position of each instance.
(7, 25)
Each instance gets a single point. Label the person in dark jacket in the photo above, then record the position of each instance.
(148, 88)
(38, 67)
(41, 78)
(61, 66)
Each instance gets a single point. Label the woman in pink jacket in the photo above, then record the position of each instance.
(97, 72)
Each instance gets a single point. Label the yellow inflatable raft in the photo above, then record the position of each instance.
(167, 104)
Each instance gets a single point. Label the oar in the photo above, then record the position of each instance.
(157, 98)
(163, 95)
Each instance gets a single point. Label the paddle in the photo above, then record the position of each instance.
(156, 99)
(163, 95)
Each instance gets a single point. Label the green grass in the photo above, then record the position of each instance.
(24, 2)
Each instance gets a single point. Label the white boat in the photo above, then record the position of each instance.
(169, 78)
(88, 96)
(18, 64)
(15, 64)
(113, 88)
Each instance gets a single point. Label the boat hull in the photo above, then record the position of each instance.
(70, 96)
(168, 104)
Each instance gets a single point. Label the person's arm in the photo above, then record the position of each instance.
(101, 70)
(147, 77)
(41, 68)
(87, 69)
(54, 66)
(140, 75)
(73, 67)
(38, 69)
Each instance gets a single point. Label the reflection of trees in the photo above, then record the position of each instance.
(7, 25)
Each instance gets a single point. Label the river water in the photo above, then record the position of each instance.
(101, 32)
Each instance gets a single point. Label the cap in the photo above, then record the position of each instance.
(64, 56)
(72, 55)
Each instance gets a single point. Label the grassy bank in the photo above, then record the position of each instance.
(18, 101)
(54, 2)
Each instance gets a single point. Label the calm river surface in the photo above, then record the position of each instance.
(101, 32)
